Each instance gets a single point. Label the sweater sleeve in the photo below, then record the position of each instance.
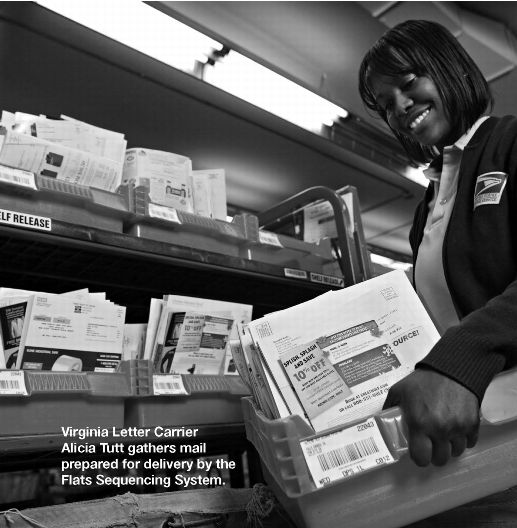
(480, 346)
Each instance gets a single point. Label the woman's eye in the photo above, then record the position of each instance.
(408, 83)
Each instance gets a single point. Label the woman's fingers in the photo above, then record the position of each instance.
(442, 416)
(458, 445)
(420, 448)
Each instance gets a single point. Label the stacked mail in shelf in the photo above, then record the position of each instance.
(170, 182)
(65, 149)
(77, 152)
(191, 335)
(73, 331)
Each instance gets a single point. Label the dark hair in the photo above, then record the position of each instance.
(428, 49)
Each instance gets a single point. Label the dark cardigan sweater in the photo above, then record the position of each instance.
(480, 263)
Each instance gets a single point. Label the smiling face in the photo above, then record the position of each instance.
(413, 107)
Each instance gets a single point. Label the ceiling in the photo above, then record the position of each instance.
(321, 44)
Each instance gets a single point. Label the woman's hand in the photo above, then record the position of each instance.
(441, 415)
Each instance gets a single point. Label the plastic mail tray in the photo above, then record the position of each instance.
(66, 202)
(211, 400)
(390, 496)
(317, 259)
(56, 399)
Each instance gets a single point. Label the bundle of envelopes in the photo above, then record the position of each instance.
(332, 359)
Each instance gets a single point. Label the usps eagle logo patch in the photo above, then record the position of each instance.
(489, 188)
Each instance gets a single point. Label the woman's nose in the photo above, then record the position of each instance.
(402, 103)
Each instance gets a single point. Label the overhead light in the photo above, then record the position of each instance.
(390, 263)
(141, 27)
(417, 175)
(144, 28)
(266, 89)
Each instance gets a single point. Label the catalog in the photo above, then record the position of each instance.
(13, 303)
(372, 334)
(155, 310)
(165, 174)
(314, 379)
(209, 193)
(12, 315)
(170, 317)
(134, 340)
(265, 391)
(170, 327)
(73, 134)
(201, 345)
(67, 334)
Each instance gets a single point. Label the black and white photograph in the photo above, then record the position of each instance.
(258, 264)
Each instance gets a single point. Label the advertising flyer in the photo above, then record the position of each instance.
(371, 333)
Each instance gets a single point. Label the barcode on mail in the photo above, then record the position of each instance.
(168, 386)
(264, 330)
(300, 274)
(9, 385)
(349, 453)
(16, 179)
(162, 214)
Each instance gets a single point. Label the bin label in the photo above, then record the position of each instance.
(345, 453)
(18, 177)
(295, 273)
(270, 239)
(171, 384)
(12, 383)
(164, 213)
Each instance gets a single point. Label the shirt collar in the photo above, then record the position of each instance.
(463, 141)
(432, 173)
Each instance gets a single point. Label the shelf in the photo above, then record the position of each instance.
(133, 269)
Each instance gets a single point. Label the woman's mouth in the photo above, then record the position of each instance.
(418, 119)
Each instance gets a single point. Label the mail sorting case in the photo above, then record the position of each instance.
(54, 399)
(210, 400)
(389, 496)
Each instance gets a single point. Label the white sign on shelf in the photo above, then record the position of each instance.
(270, 239)
(170, 384)
(31, 221)
(12, 383)
(295, 273)
(18, 177)
(164, 213)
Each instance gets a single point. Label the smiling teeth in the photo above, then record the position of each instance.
(419, 119)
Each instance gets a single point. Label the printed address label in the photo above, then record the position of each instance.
(346, 453)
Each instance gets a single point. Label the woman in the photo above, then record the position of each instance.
(434, 98)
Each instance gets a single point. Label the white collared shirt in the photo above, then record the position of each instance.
(429, 273)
